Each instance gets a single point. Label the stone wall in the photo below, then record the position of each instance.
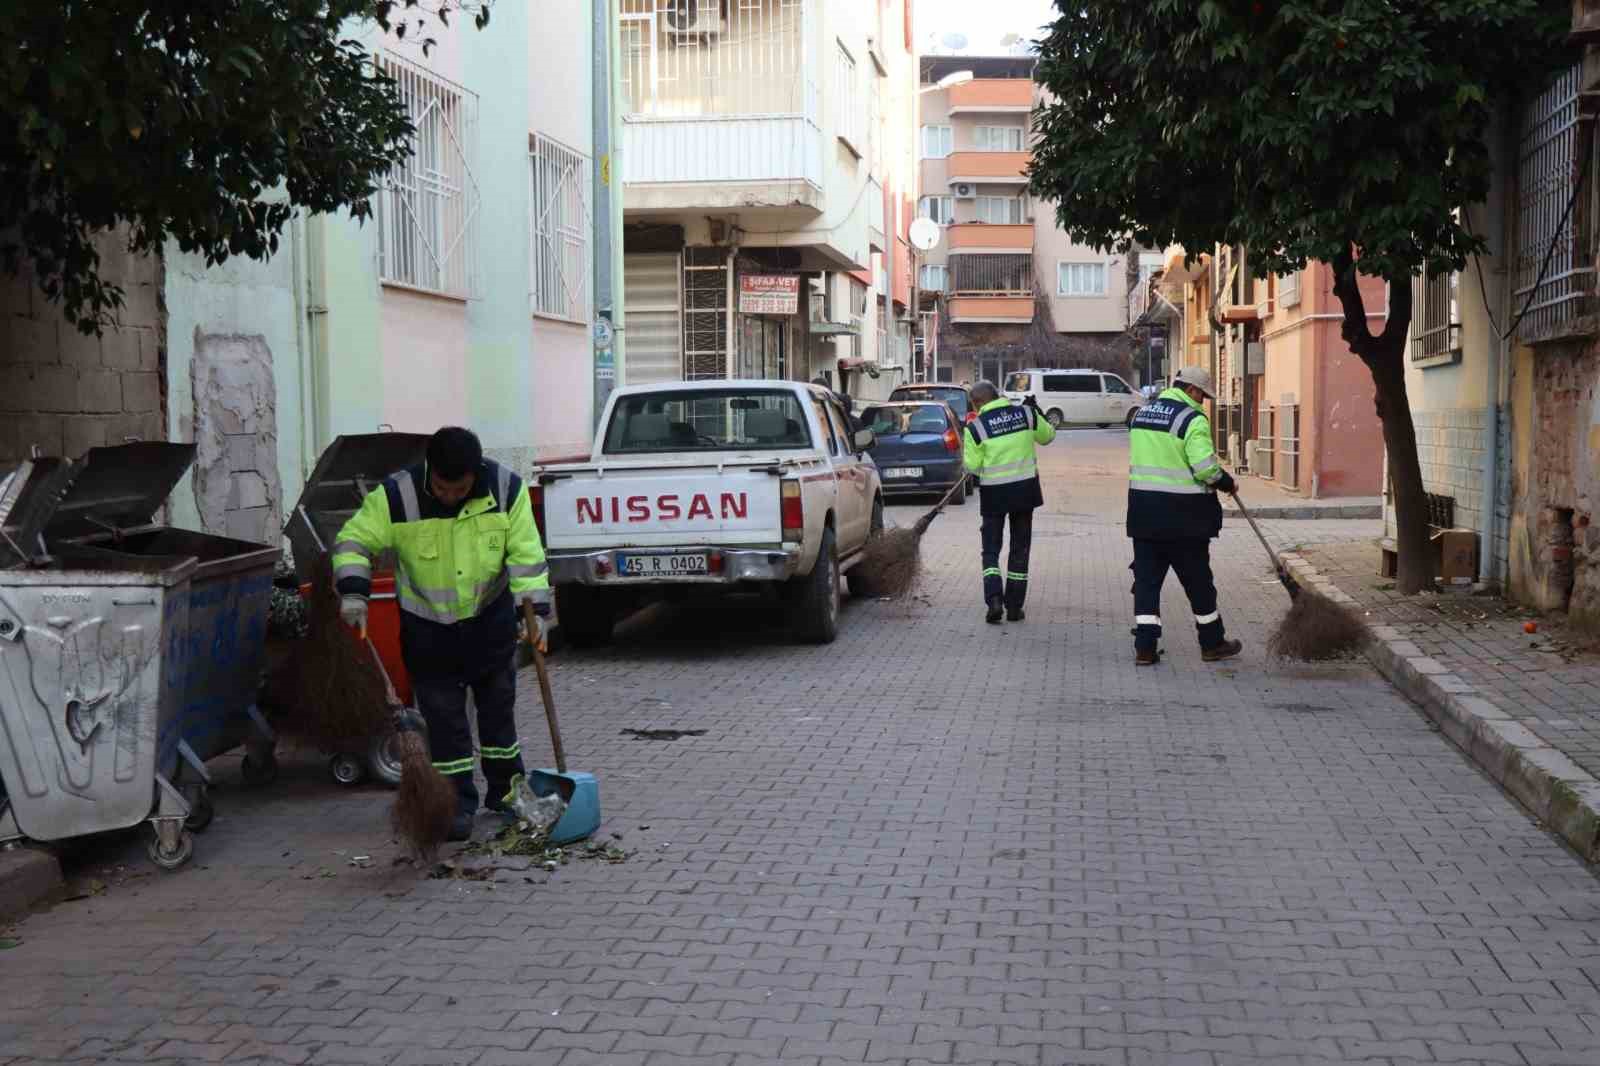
(66, 393)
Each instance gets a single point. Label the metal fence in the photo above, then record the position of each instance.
(558, 180)
(1548, 164)
(427, 208)
(992, 274)
(690, 58)
(705, 314)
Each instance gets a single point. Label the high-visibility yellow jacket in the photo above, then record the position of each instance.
(1172, 466)
(458, 572)
(998, 446)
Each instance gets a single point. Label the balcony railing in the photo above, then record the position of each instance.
(993, 168)
(992, 275)
(992, 95)
(1017, 309)
(989, 237)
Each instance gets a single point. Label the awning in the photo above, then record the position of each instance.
(835, 329)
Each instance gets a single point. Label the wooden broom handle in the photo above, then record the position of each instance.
(532, 626)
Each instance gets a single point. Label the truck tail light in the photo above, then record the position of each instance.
(714, 562)
(793, 511)
(536, 500)
(952, 443)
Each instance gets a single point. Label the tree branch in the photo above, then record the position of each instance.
(1347, 287)
(1399, 324)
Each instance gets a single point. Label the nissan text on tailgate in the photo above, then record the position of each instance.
(705, 489)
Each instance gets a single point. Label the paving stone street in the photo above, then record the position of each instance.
(934, 841)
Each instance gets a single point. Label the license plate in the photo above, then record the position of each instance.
(903, 471)
(662, 565)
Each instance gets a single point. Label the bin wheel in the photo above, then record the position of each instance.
(346, 769)
(171, 860)
(201, 810)
(259, 771)
(383, 762)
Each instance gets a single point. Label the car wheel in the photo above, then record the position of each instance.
(816, 617)
(1133, 412)
(586, 616)
(1055, 418)
(856, 580)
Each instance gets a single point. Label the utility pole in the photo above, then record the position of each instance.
(606, 180)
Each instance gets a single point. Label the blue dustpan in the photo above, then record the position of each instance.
(580, 791)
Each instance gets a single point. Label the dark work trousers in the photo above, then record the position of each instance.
(1190, 558)
(1014, 588)
(443, 703)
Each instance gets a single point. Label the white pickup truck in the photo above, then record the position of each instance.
(710, 488)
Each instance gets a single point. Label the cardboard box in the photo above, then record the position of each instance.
(1456, 555)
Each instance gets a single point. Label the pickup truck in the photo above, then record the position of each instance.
(703, 489)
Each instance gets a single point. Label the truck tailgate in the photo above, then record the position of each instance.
(662, 507)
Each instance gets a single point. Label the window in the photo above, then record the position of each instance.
(937, 142)
(1289, 289)
(883, 331)
(858, 298)
(935, 277)
(849, 113)
(832, 442)
(706, 419)
(841, 429)
(559, 194)
(1435, 318)
(1020, 382)
(427, 206)
(1072, 383)
(1551, 273)
(942, 209)
(1149, 263)
(1117, 386)
(1080, 279)
(1000, 209)
(997, 138)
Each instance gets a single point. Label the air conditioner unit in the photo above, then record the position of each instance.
(964, 190)
(694, 18)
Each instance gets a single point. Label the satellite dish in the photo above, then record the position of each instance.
(1010, 39)
(954, 41)
(925, 234)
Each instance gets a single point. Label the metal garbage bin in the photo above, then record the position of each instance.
(347, 470)
(91, 676)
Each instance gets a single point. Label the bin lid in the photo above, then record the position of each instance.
(347, 470)
(29, 491)
(118, 488)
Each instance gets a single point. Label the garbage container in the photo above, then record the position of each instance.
(91, 676)
(351, 467)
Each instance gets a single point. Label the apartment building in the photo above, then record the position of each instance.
(1006, 288)
(767, 169)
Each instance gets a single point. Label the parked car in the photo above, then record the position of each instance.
(917, 446)
(705, 489)
(1077, 397)
(959, 397)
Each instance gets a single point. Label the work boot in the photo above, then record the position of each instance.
(460, 828)
(997, 611)
(1226, 650)
(1146, 658)
(1015, 614)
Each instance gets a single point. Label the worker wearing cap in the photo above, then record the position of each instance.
(998, 446)
(467, 556)
(1173, 513)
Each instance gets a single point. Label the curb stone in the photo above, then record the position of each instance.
(27, 876)
(1309, 513)
(1561, 794)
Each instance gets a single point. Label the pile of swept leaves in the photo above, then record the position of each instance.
(479, 860)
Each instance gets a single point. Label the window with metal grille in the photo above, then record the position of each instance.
(683, 58)
(1080, 279)
(1000, 273)
(1435, 318)
(997, 138)
(427, 207)
(846, 96)
(705, 313)
(937, 141)
(1548, 162)
(1000, 209)
(559, 195)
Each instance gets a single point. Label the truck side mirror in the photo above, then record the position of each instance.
(865, 439)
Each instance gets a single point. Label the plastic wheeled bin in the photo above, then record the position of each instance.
(347, 470)
(91, 677)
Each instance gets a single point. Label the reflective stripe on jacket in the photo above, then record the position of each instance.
(1172, 466)
(999, 447)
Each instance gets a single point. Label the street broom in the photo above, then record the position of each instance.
(892, 560)
(1315, 628)
(425, 803)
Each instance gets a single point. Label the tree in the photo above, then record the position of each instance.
(1345, 131)
(207, 123)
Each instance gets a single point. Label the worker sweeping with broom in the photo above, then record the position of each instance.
(467, 556)
(1174, 476)
(998, 447)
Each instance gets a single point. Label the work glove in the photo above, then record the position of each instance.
(353, 613)
(1226, 484)
(1031, 400)
(540, 637)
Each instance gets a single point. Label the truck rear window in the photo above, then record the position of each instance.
(706, 420)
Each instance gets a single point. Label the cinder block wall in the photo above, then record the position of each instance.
(67, 393)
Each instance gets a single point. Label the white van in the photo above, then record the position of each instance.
(1077, 397)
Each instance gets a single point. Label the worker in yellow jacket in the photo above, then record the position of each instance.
(998, 446)
(467, 555)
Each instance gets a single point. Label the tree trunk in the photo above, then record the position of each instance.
(1384, 357)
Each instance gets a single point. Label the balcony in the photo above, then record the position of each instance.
(992, 96)
(721, 162)
(985, 237)
(877, 239)
(988, 168)
(1008, 310)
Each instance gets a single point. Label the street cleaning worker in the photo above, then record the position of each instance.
(467, 556)
(1173, 513)
(998, 447)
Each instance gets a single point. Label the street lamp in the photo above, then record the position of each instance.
(949, 81)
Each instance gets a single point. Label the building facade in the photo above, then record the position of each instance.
(1006, 288)
(766, 167)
